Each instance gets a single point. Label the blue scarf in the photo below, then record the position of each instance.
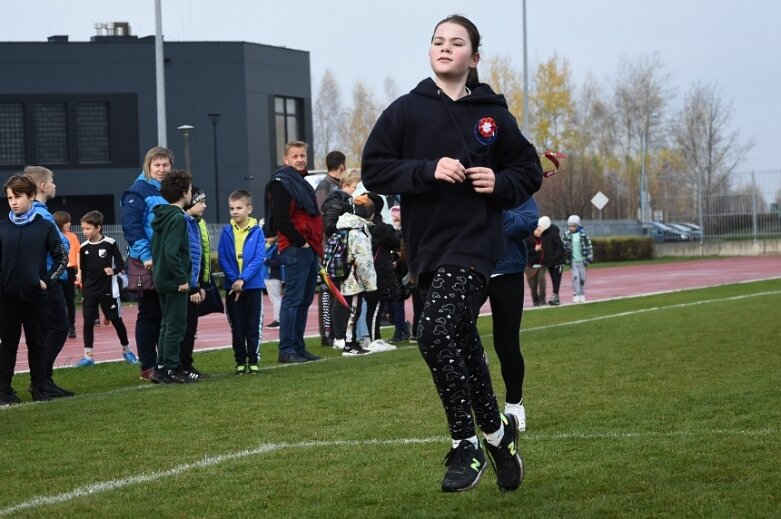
(22, 219)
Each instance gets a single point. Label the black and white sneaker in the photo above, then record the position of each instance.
(353, 350)
(160, 376)
(465, 466)
(506, 457)
(9, 397)
(178, 376)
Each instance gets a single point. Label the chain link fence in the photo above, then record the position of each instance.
(745, 205)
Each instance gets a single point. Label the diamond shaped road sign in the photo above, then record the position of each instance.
(600, 200)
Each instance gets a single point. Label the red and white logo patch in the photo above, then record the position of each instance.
(486, 130)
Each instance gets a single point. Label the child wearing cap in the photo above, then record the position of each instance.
(200, 277)
(553, 258)
(577, 247)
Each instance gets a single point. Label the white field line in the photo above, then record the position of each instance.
(652, 309)
(115, 484)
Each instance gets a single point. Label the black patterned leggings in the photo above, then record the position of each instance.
(450, 345)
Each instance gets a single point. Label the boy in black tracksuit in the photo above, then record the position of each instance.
(25, 241)
(171, 273)
(101, 262)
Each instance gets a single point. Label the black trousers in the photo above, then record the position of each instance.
(148, 323)
(188, 343)
(505, 294)
(57, 324)
(450, 345)
(111, 309)
(69, 290)
(15, 316)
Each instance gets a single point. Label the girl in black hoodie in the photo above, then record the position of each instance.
(454, 153)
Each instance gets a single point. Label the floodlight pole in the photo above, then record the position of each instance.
(525, 79)
(162, 139)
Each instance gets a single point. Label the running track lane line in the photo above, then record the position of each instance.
(115, 484)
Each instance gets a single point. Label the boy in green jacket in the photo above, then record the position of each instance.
(171, 274)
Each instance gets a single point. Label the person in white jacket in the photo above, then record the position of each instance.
(361, 278)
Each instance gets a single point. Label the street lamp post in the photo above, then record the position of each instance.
(215, 118)
(186, 129)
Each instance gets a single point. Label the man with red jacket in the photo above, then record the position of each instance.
(291, 210)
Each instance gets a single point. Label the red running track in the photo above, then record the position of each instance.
(603, 283)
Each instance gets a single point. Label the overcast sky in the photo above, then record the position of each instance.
(734, 45)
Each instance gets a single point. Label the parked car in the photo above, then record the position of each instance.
(695, 230)
(685, 231)
(662, 233)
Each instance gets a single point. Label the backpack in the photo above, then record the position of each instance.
(337, 264)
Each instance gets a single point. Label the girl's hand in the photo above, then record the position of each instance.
(450, 170)
(109, 271)
(483, 179)
(43, 285)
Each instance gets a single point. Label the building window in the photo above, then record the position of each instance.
(92, 132)
(289, 119)
(51, 133)
(68, 131)
(12, 143)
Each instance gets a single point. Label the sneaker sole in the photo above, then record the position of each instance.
(471, 486)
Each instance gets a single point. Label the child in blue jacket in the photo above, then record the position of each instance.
(241, 254)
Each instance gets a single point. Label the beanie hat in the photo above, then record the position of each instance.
(544, 223)
(363, 206)
(198, 196)
(379, 203)
(574, 220)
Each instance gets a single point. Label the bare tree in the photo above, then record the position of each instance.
(506, 80)
(327, 117)
(391, 90)
(358, 121)
(640, 98)
(704, 137)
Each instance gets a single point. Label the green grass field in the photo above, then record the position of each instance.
(665, 405)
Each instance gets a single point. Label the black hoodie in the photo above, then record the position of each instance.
(443, 223)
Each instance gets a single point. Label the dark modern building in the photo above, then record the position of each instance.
(88, 111)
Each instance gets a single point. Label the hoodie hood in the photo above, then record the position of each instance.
(164, 214)
(351, 221)
(481, 94)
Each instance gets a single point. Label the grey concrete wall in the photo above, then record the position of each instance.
(719, 248)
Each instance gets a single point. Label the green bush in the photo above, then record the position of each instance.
(622, 248)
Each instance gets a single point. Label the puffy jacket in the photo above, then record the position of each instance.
(196, 251)
(137, 205)
(585, 245)
(41, 209)
(518, 224)
(253, 257)
(336, 204)
(553, 247)
(362, 277)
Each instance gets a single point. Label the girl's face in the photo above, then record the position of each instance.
(66, 227)
(451, 54)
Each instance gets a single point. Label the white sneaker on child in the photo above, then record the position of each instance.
(519, 412)
(379, 345)
(338, 344)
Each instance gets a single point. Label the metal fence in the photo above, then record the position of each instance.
(741, 206)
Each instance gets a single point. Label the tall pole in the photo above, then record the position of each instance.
(215, 118)
(643, 186)
(160, 77)
(525, 79)
(699, 212)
